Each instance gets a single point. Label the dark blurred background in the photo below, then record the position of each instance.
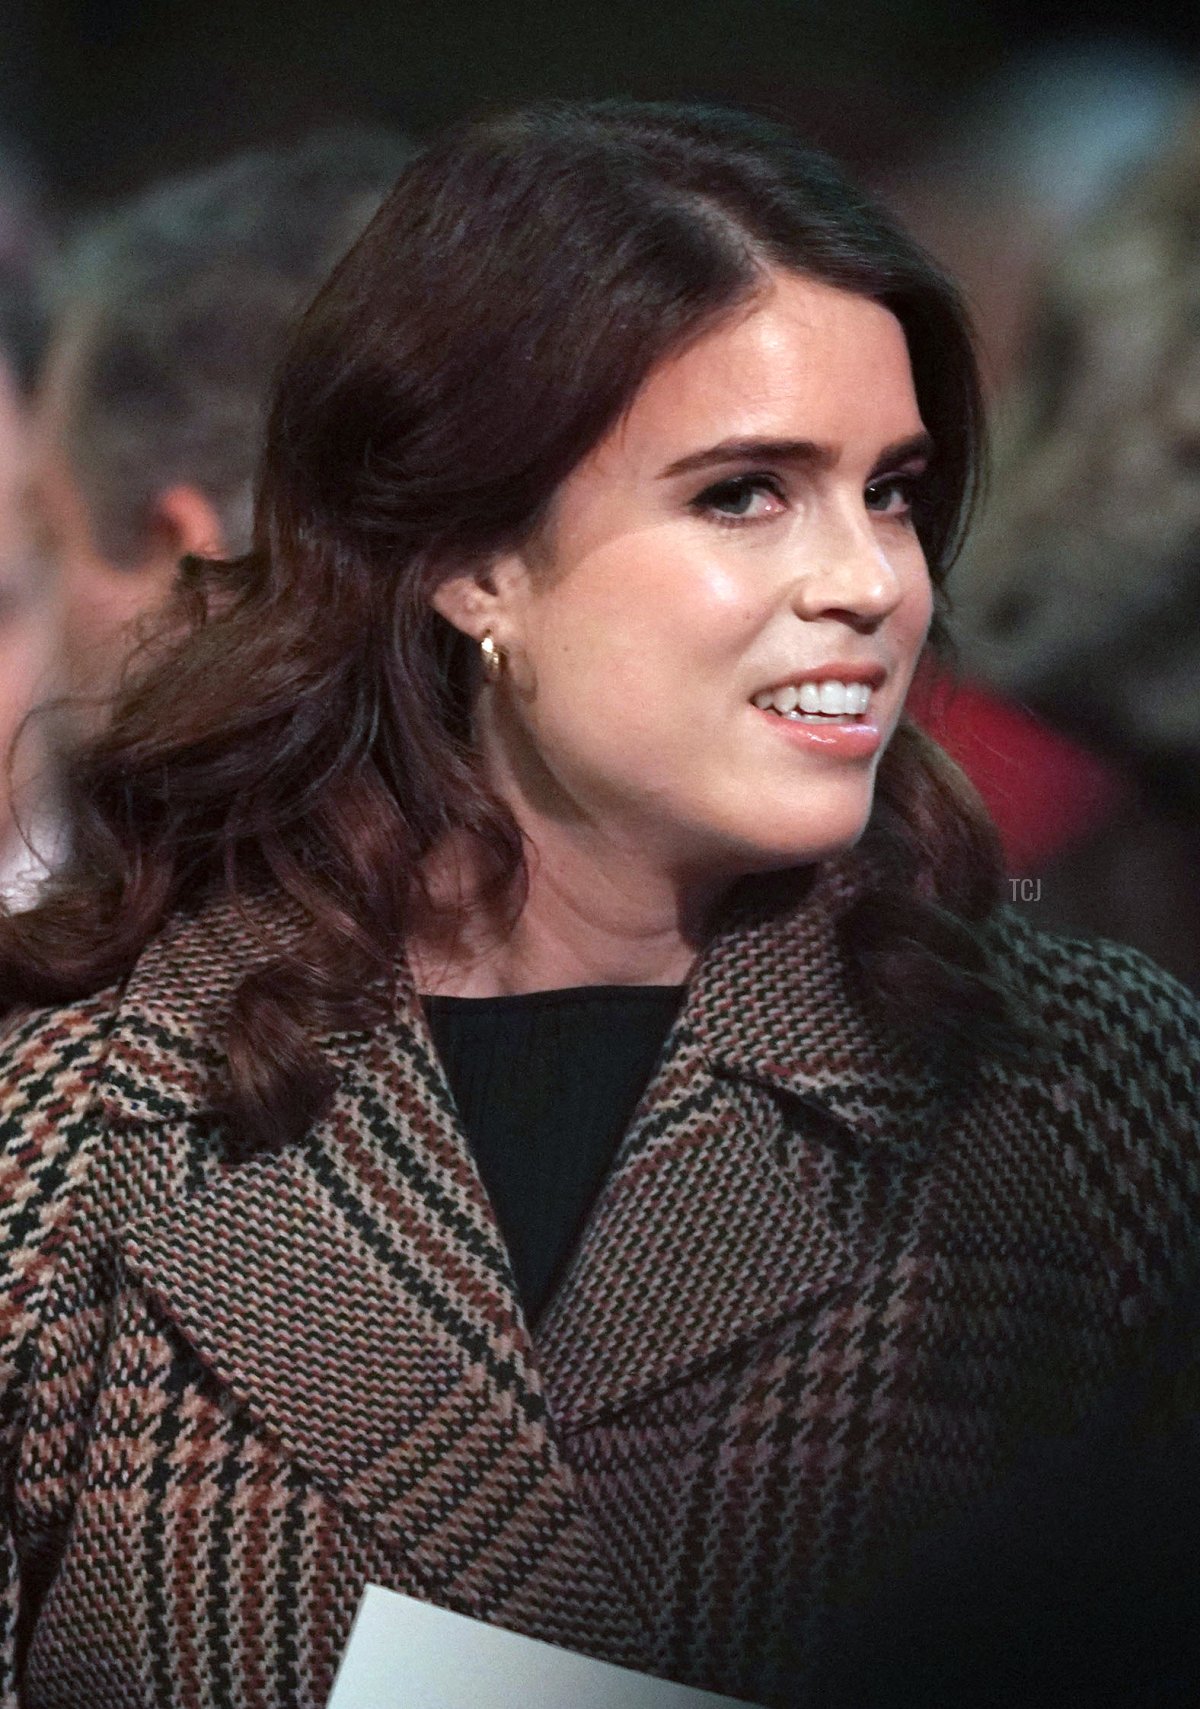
(108, 92)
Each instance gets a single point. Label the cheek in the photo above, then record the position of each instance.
(915, 612)
(630, 665)
(93, 600)
(99, 607)
(648, 609)
(11, 697)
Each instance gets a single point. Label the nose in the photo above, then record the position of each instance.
(852, 579)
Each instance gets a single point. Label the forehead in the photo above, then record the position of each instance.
(805, 360)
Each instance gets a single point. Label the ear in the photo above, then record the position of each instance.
(184, 522)
(481, 598)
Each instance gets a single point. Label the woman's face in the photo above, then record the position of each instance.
(709, 644)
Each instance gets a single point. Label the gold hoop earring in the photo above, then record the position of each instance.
(493, 658)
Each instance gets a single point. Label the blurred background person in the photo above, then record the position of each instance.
(1080, 597)
(1035, 151)
(168, 320)
(1069, 202)
(25, 596)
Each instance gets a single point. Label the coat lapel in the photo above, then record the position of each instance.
(353, 1293)
(706, 1233)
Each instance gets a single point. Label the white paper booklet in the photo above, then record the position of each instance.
(405, 1654)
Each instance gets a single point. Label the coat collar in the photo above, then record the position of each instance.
(773, 1000)
(355, 1291)
(776, 1001)
(704, 1235)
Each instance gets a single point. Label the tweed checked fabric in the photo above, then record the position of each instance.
(822, 1300)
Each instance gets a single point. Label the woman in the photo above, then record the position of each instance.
(501, 1104)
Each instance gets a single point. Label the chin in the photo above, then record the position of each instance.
(788, 852)
(803, 839)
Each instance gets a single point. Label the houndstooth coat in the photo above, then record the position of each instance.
(822, 1302)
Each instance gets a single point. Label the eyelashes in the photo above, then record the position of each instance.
(730, 502)
(743, 500)
(908, 489)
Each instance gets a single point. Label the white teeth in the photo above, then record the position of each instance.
(829, 699)
(833, 697)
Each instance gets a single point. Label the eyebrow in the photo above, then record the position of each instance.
(805, 451)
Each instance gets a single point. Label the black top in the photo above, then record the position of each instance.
(546, 1084)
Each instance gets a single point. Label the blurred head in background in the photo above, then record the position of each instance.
(1081, 591)
(25, 603)
(1077, 599)
(1036, 150)
(168, 321)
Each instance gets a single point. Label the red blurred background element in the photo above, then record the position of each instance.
(1045, 791)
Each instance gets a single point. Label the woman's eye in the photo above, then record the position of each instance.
(892, 495)
(743, 498)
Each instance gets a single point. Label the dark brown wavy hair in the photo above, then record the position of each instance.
(308, 732)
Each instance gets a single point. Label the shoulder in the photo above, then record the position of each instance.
(1107, 1004)
(50, 1065)
(97, 1100)
(1119, 1079)
(41, 1045)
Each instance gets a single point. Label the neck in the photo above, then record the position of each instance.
(589, 917)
